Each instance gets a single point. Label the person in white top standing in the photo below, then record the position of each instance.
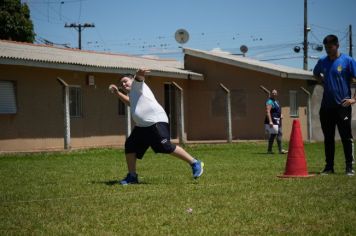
(151, 129)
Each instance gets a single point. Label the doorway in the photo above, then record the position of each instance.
(170, 106)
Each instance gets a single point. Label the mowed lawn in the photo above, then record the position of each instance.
(238, 194)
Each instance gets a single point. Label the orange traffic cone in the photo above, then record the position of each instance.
(296, 166)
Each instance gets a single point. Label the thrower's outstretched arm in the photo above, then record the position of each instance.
(123, 97)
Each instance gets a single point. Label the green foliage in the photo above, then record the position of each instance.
(15, 22)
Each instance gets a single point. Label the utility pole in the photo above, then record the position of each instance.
(305, 42)
(350, 40)
(79, 28)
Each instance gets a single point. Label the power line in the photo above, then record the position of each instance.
(278, 55)
(79, 28)
(60, 13)
(344, 37)
(315, 37)
(54, 2)
(327, 28)
(45, 20)
(206, 37)
(48, 42)
(273, 49)
(43, 14)
(281, 58)
(274, 45)
(101, 38)
(50, 19)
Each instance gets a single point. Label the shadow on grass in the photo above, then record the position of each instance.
(316, 173)
(114, 182)
(265, 154)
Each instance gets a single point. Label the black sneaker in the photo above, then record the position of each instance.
(350, 171)
(129, 180)
(327, 171)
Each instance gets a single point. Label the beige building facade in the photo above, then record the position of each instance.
(32, 115)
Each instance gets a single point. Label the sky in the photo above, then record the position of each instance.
(271, 29)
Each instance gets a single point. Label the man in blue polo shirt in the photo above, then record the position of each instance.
(336, 72)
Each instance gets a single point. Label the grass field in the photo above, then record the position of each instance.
(239, 194)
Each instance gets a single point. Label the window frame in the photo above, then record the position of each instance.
(14, 87)
(80, 115)
(293, 94)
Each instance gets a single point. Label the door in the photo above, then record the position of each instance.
(170, 106)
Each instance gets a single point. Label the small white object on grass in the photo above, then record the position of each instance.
(190, 210)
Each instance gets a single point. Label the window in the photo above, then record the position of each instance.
(75, 101)
(7, 98)
(170, 106)
(239, 103)
(218, 103)
(293, 104)
(122, 108)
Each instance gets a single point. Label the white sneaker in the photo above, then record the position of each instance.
(350, 172)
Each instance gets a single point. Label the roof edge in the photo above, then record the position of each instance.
(84, 51)
(246, 65)
(86, 68)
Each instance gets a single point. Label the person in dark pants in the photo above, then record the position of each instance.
(336, 72)
(151, 129)
(273, 122)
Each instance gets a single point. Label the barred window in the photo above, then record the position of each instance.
(7, 98)
(293, 103)
(238, 103)
(218, 103)
(75, 101)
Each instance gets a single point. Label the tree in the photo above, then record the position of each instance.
(15, 22)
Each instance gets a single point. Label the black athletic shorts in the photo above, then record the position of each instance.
(156, 136)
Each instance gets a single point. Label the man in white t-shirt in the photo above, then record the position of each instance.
(152, 128)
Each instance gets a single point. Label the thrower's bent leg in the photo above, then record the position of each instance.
(183, 155)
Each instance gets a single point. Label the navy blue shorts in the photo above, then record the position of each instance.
(156, 136)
